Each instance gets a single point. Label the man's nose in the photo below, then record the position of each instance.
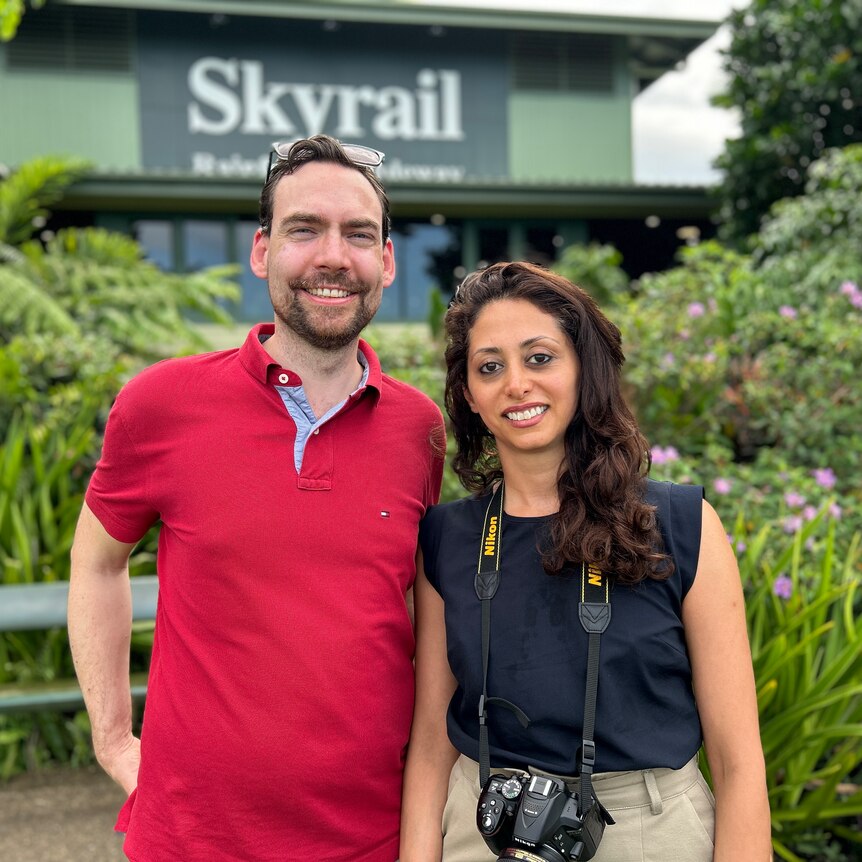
(332, 251)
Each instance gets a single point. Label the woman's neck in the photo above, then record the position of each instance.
(531, 486)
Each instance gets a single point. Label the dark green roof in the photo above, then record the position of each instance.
(178, 192)
(655, 45)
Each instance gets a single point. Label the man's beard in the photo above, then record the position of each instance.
(314, 326)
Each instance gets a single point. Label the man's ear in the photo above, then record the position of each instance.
(388, 263)
(259, 253)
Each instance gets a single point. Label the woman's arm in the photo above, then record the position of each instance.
(714, 617)
(430, 755)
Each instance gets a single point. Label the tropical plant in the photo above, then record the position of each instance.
(79, 311)
(806, 642)
(89, 281)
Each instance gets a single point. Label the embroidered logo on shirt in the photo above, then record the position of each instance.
(384, 514)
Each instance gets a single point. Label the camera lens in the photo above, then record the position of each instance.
(536, 854)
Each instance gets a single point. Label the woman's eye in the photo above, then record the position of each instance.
(489, 367)
(539, 359)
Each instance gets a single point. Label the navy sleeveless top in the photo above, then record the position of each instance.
(646, 714)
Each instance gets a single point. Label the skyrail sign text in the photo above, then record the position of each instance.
(214, 98)
(230, 95)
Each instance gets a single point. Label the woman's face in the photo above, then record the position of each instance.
(522, 376)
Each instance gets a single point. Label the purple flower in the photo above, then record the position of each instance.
(783, 587)
(788, 311)
(848, 288)
(722, 486)
(709, 357)
(664, 454)
(856, 300)
(809, 513)
(835, 510)
(794, 500)
(668, 360)
(696, 309)
(792, 523)
(824, 477)
(741, 547)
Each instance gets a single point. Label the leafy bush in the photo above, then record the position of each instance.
(805, 641)
(78, 313)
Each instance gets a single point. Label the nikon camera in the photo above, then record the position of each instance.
(535, 818)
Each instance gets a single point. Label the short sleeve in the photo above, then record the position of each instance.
(117, 493)
(679, 509)
(430, 534)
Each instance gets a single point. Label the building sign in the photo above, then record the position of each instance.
(213, 106)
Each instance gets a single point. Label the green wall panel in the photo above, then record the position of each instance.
(566, 137)
(73, 113)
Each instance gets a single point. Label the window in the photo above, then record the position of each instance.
(562, 62)
(73, 39)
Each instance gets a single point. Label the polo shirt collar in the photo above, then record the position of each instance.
(265, 369)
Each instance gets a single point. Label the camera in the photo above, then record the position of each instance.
(535, 818)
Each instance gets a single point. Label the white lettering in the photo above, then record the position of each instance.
(313, 111)
(450, 87)
(349, 100)
(262, 112)
(396, 118)
(214, 95)
(233, 95)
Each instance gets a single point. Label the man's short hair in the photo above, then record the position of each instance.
(320, 148)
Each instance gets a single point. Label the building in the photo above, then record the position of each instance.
(507, 133)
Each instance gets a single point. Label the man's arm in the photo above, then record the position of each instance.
(100, 623)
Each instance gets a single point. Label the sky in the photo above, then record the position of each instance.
(677, 134)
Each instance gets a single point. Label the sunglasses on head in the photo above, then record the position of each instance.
(365, 157)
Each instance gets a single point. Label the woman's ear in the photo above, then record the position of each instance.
(469, 399)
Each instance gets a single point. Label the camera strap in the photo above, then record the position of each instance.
(594, 612)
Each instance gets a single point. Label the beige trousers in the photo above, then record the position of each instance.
(662, 815)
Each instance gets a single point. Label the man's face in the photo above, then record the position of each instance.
(324, 259)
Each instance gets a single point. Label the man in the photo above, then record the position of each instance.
(289, 477)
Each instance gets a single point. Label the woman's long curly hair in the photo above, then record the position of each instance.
(603, 518)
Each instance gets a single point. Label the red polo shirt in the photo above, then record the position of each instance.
(281, 685)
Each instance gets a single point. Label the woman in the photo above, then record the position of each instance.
(533, 393)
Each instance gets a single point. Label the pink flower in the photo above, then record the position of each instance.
(848, 288)
(792, 523)
(809, 513)
(794, 500)
(663, 454)
(783, 587)
(824, 477)
(835, 511)
(709, 357)
(722, 486)
(741, 547)
(696, 309)
(856, 300)
(788, 311)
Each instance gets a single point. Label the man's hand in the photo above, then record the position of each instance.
(121, 762)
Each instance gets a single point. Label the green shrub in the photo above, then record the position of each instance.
(806, 642)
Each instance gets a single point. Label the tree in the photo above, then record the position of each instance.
(10, 16)
(795, 70)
